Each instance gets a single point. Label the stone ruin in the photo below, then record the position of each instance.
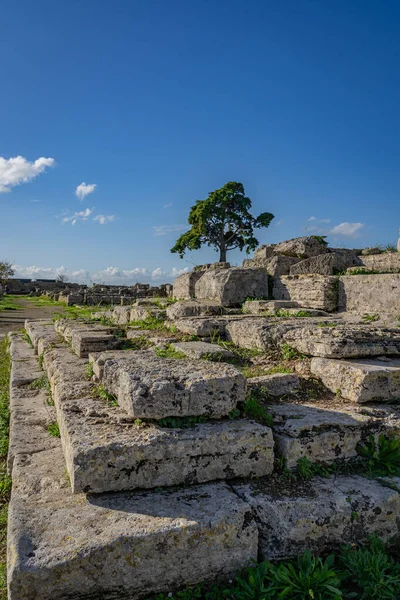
(161, 477)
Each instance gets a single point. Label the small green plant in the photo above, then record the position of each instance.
(288, 315)
(253, 409)
(26, 337)
(362, 271)
(40, 360)
(320, 238)
(289, 353)
(180, 422)
(40, 383)
(169, 352)
(306, 578)
(138, 422)
(89, 371)
(234, 414)
(101, 392)
(278, 369)
(253, 584)
(307, 470)
(150, 322)
(382, 457)
(53, 429)
(137, 343)
(370, 318)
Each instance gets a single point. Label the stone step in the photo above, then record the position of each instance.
(121, 545)
(209, 327)
(86, 337)
(322, 514)
(150, 387)
(360, 380)
(195, 308)
(326, 434)
(202, 350)
(270, 307)
(42, 334)
(106, 450)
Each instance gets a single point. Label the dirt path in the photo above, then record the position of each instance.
(13, 320)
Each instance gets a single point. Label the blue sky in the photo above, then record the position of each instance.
(158, 103)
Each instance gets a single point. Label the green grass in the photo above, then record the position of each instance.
(253, 409)
(5, 481)
(289, 353)
(40, 383)
(7, 303)
(101, 392)
(169, 352)
(151, 322)
(53, 429)
(370, 318)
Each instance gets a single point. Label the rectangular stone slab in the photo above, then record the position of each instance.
(84, 342)
(42, 334)
(202, 350)
(106, 451)
(123, 545)
(150, 387)
(360, 380)
(277, 384)
(324, 434)
(321, 516)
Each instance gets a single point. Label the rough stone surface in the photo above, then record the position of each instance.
(323, 264)
(363, 380)
(139, 313)
(121, 315)
(106, 451)
(128, 545)
(302, 247)
(370, 294)
(326, 435)
(184, 285)
(264, 252)
(387, 262)
(280, 265)
(370, 251)
(256, 307)
(84, 342)
(212, 266)
(202, 349)
(194, 308)
(42, 334)
(323, 518)
(277, 384)
(150, 387)
(232, 286)
(313, 291)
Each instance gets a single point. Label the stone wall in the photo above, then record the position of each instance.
(230, 287)
(370, 294)
(310, 291)
(388, 262)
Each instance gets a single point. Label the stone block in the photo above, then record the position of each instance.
(324, 434)
(386, 262)
(232, 286)
(313, 291)
(150, 387)
(256, 307)
(280, 265)
(121, 315)
(323, 264)
(360, 380)
(194, 308)
(139, 313)
(320, 517)
(277, 384)
(202, 350)
(121, 545)
(302, 247)
(42, 334)
(370, 294)
(184, 285)
(264, 252)
(84, 342)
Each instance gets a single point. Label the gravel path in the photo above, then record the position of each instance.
(13, 320)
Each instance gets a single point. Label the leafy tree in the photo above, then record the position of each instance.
(223, 221)
(6, 271)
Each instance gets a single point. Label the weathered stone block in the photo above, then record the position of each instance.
(84, 342)
(139, 313)
(387, 262)
(184, 285)
(362, 380)
(264, 252)
(323, 264)
(121, 315)
(256, 307)
(302, 247)
(150, 387)
(313, 291)
(280, 265)
(321, 517)
(277, 384)
(194, 308)
(122, 545)
(232, 286)
(42, 334)
(371, 294)
(202, 350)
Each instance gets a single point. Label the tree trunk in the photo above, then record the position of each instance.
(222, 255)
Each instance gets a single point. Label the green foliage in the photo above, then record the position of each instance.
(137, 343)
(53, 429)
(278, 369)
(289, 353)
(101, 392)
(327, 324)
(169, 352)
(306, 578)
(6, 271)
(89, 371)
(5, 370)
(40, 383)
(320, 238)
(253, 409)
(26, 337)
(307, 470)
(180, 422)
(7, 303)
(254, 585)
(371, 572)
(222, 221)
(281, 312)
(150, 322)
(370, 318)
(362, 271)
(234, 414)
(383, 458)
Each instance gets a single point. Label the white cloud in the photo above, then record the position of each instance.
(110, 275)
(312, 219)
(168, 205)
(82, 215)
(165, 229)
(319, 220)
(17, 170)
(103, 219)
(347, 229)
(85, 189)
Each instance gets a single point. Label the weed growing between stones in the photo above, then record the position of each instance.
(180, 422)
(100, 392)
(370, 318)
(139, 343)
(40, 383)
(53, 430)
(289, 353)
(5, 480)
(150, 322)
(367, 572)
(26, 337)
(253, 409)
(288, 315)
(382, 457)
(170, 352)
(327, 324)
(89, 371)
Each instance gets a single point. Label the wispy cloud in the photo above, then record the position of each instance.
(84, 189)
(103, 219)
(319, 220)
(82, 215)
(168, 205)
(17, 170)
(346, 229)
(165, 229)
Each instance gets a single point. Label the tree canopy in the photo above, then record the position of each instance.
(223, 221)
(6, 271)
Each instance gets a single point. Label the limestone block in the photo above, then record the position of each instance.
(280, 265)
(84, 342)
(313, 291)
(323, 264)
(325, 435)
(264, 252)
(139, 313)
(387, 262)
(150, 387)
(202, 349)
(133, 334)
(256, 307)
(302, 247)
(370, 294)
(122, 545)
(184, 285)
(232, 286)
(42, 334)
(360, 380)
(121, 315)
(321, 517)
(204, 327)
(371, 251)
(277, 384)
(194, 308)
